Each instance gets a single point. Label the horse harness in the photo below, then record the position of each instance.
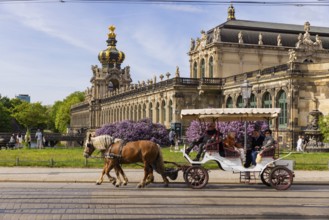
(111, 155)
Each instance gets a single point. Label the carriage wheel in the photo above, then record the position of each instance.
(196, 177)
(281, 178)
(265, 176)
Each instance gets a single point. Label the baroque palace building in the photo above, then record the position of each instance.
(287, 66)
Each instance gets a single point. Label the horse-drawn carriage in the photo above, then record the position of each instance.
(274, 172)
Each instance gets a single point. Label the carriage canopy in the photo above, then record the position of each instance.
(231, 114)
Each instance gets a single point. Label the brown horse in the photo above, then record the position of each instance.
(147, 152)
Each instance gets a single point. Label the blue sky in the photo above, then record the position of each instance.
(47, 49)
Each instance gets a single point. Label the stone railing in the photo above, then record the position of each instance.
(136, 89)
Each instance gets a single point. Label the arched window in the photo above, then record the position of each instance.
(203, 68)
(157, 113)
(131, 113)
(151, 112)
(282, 103)
(163, 111)
(267, 100)
(211, 67)
(139, 116)
(229, 102)
(239, 102)
(144, 111)
(253, 101)
(170, 111)
(195, 70)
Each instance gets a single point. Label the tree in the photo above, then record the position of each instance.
(52, 112)
(5, 119)
(62, 120)
(324, 127)
(31, 115)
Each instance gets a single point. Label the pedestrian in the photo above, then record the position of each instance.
(19, 139)
(300, 144)
(28, 138)
(12, 141)
(38, 135)
(172, 136)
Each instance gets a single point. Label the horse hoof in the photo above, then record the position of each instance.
(125, 184)
(98, 183)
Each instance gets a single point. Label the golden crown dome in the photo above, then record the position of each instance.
(111, 57)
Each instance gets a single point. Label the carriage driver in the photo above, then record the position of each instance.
(211, 135)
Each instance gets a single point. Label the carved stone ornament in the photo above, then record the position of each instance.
(216, 35)
(305, 41)
(292, 56)
(203, 40)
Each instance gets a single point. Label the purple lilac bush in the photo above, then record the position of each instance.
(196, 128)
(134, 131)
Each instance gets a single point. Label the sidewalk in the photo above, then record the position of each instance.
(36, 174)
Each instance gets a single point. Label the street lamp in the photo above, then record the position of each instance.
(246, 93)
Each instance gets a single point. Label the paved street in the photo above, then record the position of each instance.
(218, 201)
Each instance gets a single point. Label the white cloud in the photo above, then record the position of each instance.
(45, 22)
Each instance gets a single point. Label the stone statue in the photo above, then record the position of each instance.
(203, 39)
(318, 42)
(177, 72)
(307, 37)
(216, 35)
(300, 40)
(279, 43)
(260, 39)
(192, 44)
(292, 55)
(197, 43)
(240, 37)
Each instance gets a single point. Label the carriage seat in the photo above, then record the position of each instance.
(270, 152)
(229, 152)
(212, 147)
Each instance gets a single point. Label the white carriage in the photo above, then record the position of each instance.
(277, 173)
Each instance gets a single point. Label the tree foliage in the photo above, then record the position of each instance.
(133, 131)
(5, 119)
(62, 110)
(196, 128)
(324, 127)
(31, 115)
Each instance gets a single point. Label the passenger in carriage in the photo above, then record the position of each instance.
(256, 142)
(231, 143)
(267, 144)
(210, 136)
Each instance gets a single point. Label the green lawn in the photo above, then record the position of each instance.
(72, 157)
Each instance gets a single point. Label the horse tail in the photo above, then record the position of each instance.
(159, 164)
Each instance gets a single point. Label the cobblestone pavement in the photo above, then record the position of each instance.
(46, 200)
(36, 174)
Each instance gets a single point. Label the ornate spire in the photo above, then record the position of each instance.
(111, 57)
(230, 13)
(112, 34)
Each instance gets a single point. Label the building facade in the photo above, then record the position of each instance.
(287, 66)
